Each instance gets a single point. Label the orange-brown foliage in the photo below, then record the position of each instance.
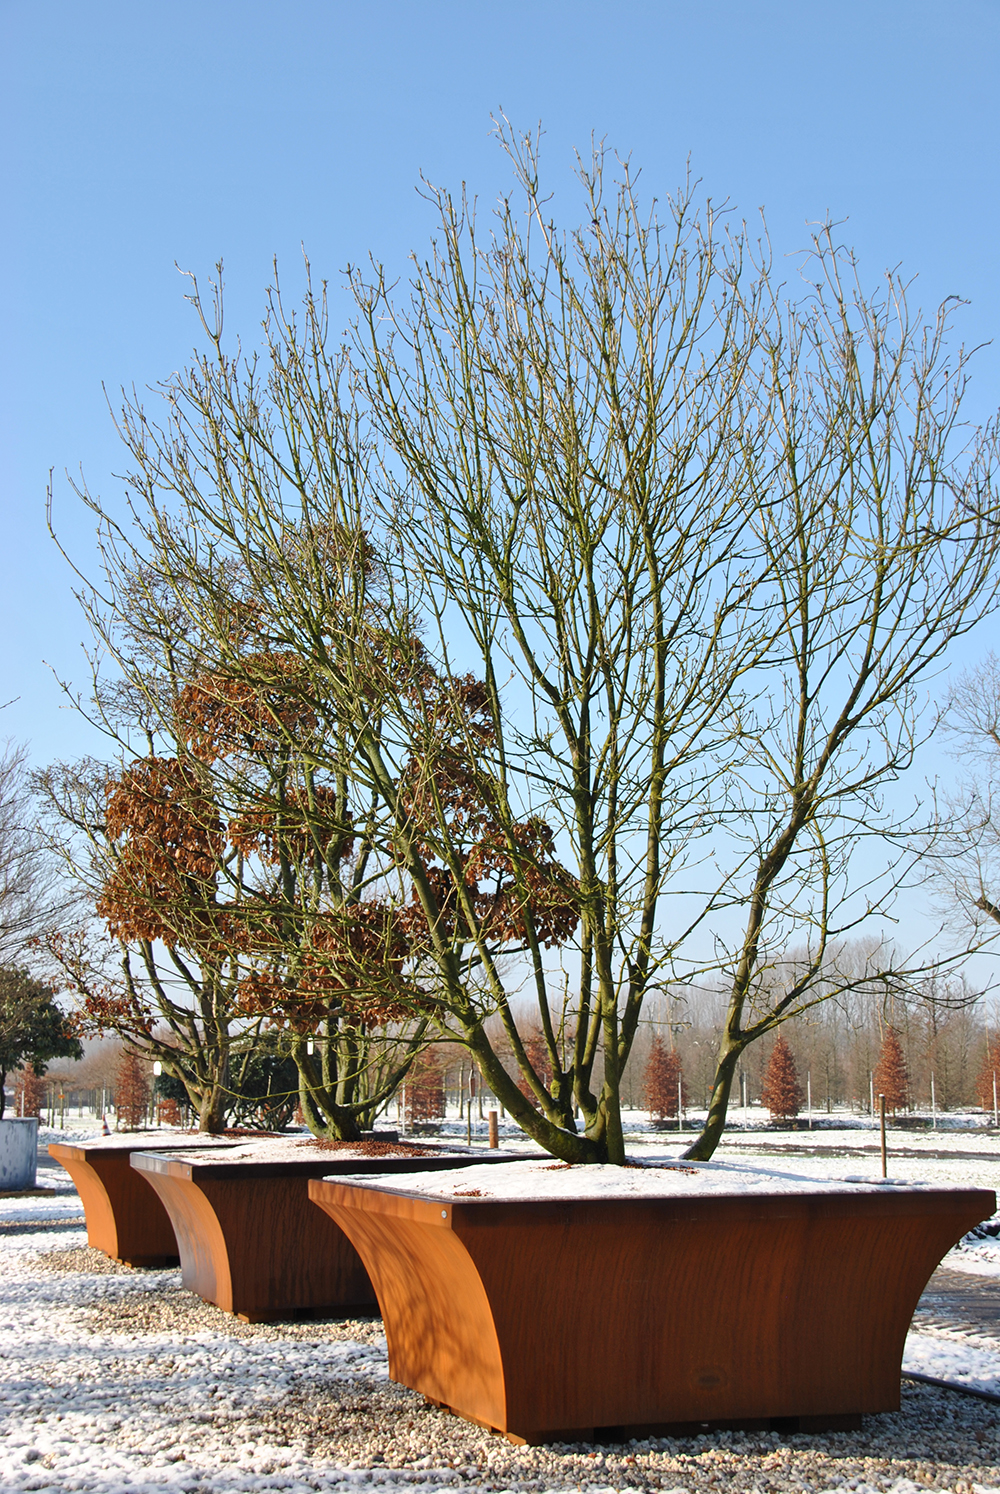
(781, 1092)
(131, 1091)
(990, 1070)
(169, 839)
(220, 716)
(424, 1100)
(661, 1080)
(29, 1092)
(891, 1078)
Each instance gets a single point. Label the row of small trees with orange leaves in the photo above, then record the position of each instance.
(782, 1092)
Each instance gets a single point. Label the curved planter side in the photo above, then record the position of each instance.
(18, 1152)
(251, 1241)
(125, 1218)
(439, 1321)
(257, 1247)
(618, 1317)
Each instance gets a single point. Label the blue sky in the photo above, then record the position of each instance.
(140, 135)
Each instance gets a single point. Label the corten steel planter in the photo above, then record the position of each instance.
(610, 1318)
(124, 1216)
(250, 1240)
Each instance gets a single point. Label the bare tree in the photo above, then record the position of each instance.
(696, 544)
(28, 896)
(880, 516)
(964, 861)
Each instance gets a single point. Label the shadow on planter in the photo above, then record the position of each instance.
(250, 1240)
(125, 1219)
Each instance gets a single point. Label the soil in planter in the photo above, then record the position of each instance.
(376, 1148)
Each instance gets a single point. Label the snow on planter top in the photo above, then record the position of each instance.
(158, 1140)
(280, 1149)
(546, 1180)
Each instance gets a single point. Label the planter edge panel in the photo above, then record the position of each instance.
(438, 1320)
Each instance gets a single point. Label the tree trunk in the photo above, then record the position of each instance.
(212, 1110)
(702, 1148)
(323, 1116)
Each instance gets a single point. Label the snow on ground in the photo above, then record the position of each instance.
(115, 1381)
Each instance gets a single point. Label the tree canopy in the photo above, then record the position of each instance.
(606, 571)
(33, 1029)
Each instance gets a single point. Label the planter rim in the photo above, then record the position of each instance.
(387, 1196)
(540, 1180)
(255, 1163)
(119, 1142)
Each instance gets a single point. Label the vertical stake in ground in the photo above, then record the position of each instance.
(881, 1121)
(494, 1131)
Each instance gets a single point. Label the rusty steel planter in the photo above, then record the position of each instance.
(250, 1240)
(125, 1218)
(616, 1318)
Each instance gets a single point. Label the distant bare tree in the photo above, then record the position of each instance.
(27, 878)
(965, 860)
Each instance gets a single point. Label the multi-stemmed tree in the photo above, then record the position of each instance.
(696, 542)
(224, 896)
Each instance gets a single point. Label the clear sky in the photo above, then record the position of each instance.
(140, 134)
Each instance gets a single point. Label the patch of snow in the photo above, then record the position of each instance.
(88, 1408)
(967, 1362)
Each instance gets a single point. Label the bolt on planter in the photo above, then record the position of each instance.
(125, 1218)
(615, 1317)
(250, 1240)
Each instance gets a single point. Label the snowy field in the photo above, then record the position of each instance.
(115, 1381)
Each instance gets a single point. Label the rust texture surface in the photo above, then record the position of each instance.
(542, 1319)
(251, 1241)
(125, 1218)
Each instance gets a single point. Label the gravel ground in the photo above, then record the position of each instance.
(359, 1429)
(116, 1381)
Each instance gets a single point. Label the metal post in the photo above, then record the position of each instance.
(494, 1131)
(871, 1096)
(881, 1117)
(680, 1105)
(995, 1120)
(468, 1112)
(933, 1106)
(809, 1098)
